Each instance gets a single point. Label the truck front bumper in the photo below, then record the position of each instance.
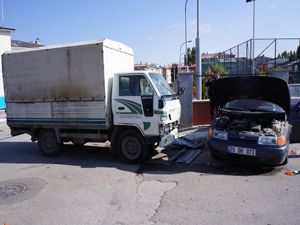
(169, 138)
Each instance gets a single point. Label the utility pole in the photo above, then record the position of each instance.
(253, 38)
(186, 52)
(198, 57)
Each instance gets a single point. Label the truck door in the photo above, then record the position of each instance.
(133, 102)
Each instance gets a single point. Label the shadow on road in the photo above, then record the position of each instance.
(93, 157)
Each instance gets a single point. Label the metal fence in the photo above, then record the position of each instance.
(268, 58)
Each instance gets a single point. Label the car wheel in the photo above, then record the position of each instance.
(216, 157)
(132, 147)
(48, 143)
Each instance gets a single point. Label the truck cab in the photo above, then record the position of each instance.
(143, 107)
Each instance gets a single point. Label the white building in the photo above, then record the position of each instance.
(5, 45)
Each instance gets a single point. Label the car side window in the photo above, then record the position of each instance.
(134, 86)
(124, 86)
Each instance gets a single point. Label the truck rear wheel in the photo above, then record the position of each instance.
(48, 143)
(132, 147)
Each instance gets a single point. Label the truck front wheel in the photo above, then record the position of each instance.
(48, 143)
(132, 147)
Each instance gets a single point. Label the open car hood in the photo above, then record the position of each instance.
(270, 89)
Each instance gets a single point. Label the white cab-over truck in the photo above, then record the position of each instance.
(79, 93)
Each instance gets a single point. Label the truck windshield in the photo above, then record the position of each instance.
(161, 84)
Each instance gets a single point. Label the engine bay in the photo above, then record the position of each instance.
(267, 124)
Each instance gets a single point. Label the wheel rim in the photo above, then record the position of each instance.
(49, 143)
(131, 148)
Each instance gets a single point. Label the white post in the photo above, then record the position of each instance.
(253, 41)
(198, 58)
(186, 52)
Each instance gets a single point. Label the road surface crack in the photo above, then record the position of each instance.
(172, 185)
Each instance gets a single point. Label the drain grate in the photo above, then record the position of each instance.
(11, 190)
(22, 189)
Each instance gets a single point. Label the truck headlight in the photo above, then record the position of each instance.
(161, 129)
(220, 134)
(163, 117)
(167, 128)
(267, 140)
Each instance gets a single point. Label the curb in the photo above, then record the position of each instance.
(2, 116)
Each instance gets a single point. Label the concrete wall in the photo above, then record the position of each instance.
(5, 45)
(185, 80)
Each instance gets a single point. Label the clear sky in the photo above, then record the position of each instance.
(153, 28)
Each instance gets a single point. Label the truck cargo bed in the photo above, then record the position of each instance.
(64, 85)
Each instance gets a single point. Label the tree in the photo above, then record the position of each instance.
(298, 52)
(292, 56)
(191, 55)
(174, 72)
(284, 54)
(218, 69)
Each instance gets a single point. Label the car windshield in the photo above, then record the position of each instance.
(252, 105)
(294, 90)
(161, 84)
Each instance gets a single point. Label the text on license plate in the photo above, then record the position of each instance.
(241, 151)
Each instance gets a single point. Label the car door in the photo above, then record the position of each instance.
(295, 120)
(133, 102)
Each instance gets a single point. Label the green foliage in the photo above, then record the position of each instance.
(191, 55)
(291, 56)
(213, 69)
(218, 69)
(174, 72)
(284, 54)
(298, 52)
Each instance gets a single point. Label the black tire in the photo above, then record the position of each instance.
(48, 143)
(132, 147)
(216, 156)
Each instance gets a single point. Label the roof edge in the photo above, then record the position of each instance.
(7, 29)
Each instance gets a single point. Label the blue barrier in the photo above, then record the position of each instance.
(2, 103)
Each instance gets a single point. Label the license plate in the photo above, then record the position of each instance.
(241, 151)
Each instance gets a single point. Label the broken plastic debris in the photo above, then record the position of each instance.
(292, 172)
(188, 143)
(294, 152)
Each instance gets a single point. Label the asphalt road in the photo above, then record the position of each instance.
(89, 186)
